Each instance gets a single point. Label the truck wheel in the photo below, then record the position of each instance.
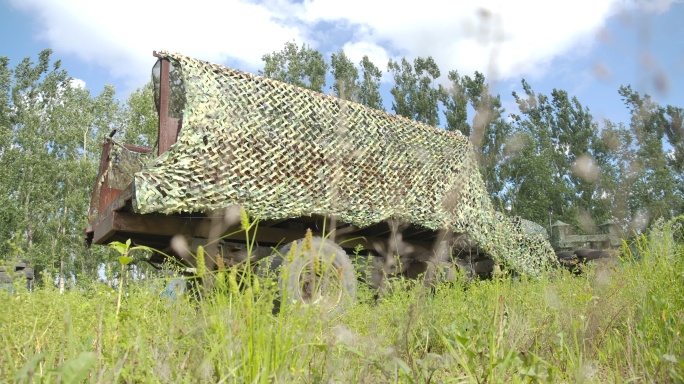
(322, 275)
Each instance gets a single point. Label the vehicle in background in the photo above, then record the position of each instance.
(15, 273)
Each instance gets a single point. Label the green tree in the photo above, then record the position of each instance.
(140, 118)
(369, 90)
(301, 66)
(614, 153)
(674, 131)
(455, 100)
(656, 191)
(533, 186)
(415, 97)
(346, 77)
(489, 131)
(568, 156)
(48, 161)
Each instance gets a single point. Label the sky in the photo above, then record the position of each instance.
(586, 47)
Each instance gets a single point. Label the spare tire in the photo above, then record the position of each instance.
(320, 275)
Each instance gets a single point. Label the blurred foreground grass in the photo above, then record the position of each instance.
(617, 322)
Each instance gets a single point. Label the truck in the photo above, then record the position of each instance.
(15, 273)
(234, 144)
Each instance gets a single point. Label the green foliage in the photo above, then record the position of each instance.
(617, 322)
(346, 77)
(48, 159)
(414, 95)
(489, 132)
(455, 102)
(301, 66)
(657, 188)
(369, 90)
(140, 119)
(555, 161)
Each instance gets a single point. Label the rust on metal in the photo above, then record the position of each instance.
(168, 126)
(103, 194)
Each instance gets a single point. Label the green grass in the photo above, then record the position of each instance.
(615, 323)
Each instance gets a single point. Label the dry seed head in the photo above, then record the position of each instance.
(232, 280)
(219, 263)
(317, 263)
(201, 268)
(292, 252)
(244, 219)
(306, 246)
(221, 278)
(248, 298)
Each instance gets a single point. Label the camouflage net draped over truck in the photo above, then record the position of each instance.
(281, 151)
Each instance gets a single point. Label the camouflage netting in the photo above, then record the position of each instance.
(281, 151)
(123, 164)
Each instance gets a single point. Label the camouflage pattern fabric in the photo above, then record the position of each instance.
(282, 152)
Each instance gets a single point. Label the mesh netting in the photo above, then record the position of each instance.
(281, 152)
(123, 165)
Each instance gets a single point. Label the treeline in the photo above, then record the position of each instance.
(547, 161)
(49, 155)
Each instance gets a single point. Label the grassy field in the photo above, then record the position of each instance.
(617, 322)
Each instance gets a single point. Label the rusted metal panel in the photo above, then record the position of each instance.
(103, 194)
(168, 126)
(107, 196)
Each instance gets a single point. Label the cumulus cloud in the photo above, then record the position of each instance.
(121, 35)
(504, 39)
(77, 83)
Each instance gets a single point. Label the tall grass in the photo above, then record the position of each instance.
(617, 322)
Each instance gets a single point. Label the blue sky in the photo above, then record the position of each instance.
(588, 48)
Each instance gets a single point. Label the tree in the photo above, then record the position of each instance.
(455, 102)
(140, 118)
(615, 153)
(369, 90)
(564, 173)
(48, 163)
(533, 178)
(414, 95)
(346, 77)
(489, 131)
(674, 131)
(301, 66)
(656, 191)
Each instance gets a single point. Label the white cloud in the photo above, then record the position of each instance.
(504, 39)
(121, 35)
(78, 83)
(357, 50)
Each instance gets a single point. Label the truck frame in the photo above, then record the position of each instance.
(408, 194)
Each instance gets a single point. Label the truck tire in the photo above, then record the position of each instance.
(322, 276)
